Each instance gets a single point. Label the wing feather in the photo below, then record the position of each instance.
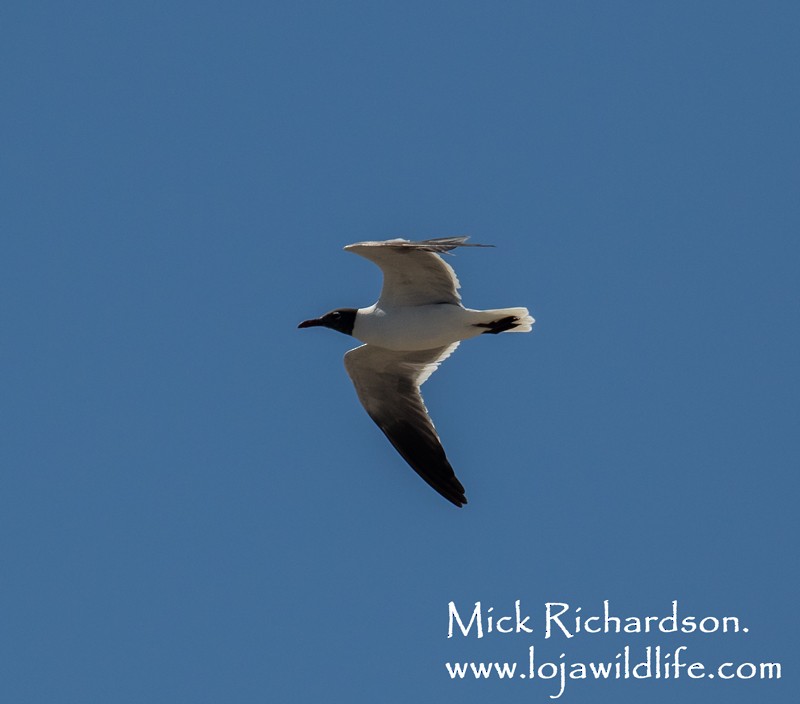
(387, 384)
(413, 272)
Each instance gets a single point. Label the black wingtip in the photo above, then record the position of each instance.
(454, 494)
(453, 490)
(443, 245)
(426, 457)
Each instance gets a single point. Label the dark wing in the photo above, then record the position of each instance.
(387, 384)
(413, 272)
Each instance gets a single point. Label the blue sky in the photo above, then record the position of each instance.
(194, 506)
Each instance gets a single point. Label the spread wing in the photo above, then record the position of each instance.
(413, 272)
(387, 384)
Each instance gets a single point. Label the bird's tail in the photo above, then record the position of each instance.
(505, 320)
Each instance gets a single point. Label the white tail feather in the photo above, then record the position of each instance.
(526, 321)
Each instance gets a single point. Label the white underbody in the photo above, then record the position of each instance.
(426, 327)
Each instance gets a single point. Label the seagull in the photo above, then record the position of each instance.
(417, 323)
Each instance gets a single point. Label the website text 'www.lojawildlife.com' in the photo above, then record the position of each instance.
(654, 663)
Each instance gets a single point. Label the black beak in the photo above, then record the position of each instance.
(314, 322)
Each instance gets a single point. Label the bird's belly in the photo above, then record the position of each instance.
(414, 328)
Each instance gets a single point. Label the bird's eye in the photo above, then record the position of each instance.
(336, 315)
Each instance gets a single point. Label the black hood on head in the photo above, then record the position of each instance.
(341, 320)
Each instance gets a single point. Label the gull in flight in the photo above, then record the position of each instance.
(417, 323)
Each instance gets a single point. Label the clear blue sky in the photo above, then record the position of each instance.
(193, 505)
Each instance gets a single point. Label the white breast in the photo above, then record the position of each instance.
(414, 327)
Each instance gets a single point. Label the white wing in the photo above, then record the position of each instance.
(387, 384)
(413, 273)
